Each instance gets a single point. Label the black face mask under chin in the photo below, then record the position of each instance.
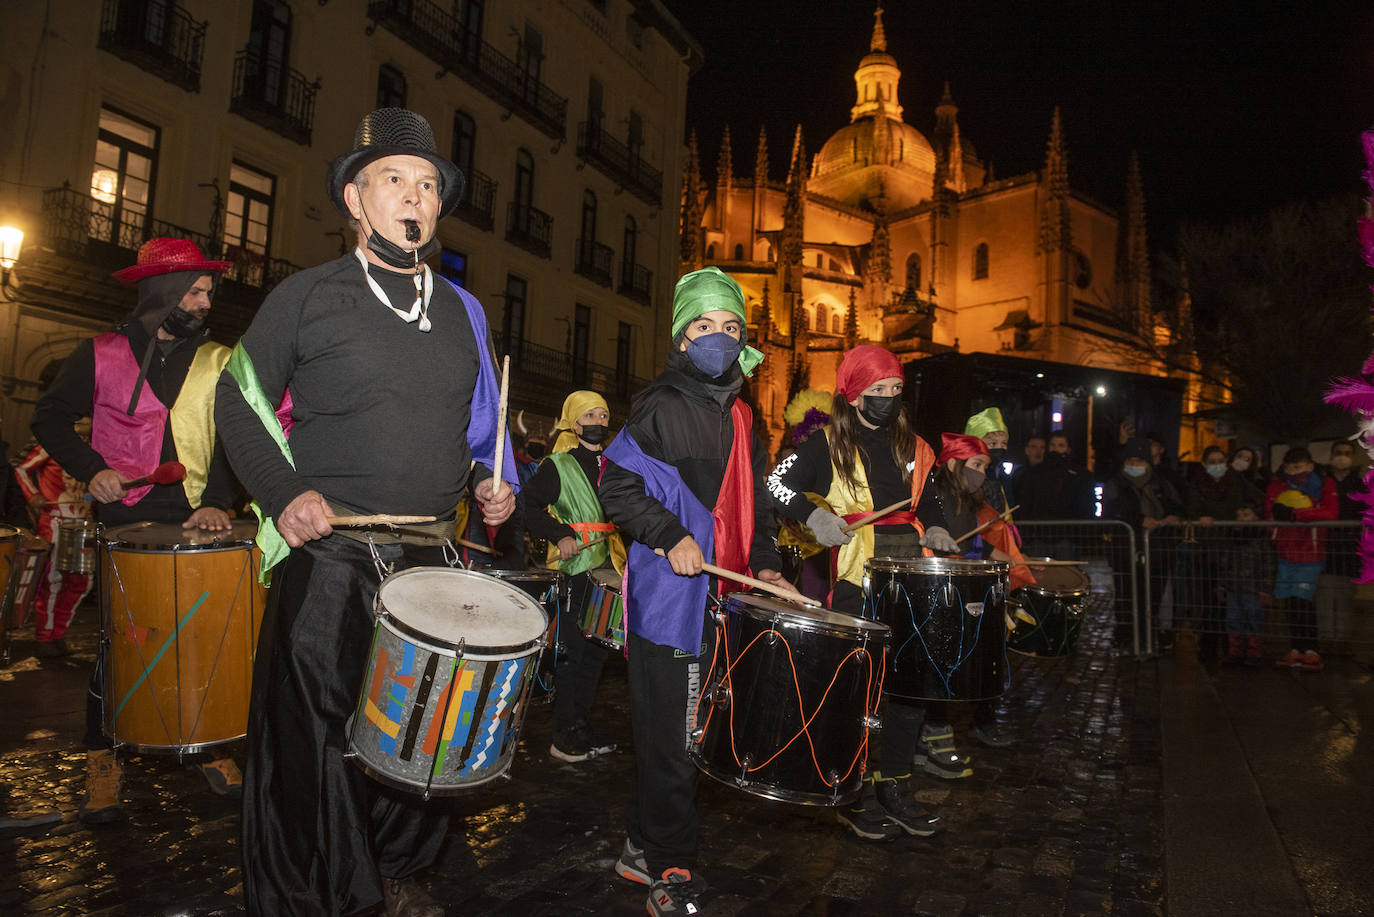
(391, 253)
(879, 410)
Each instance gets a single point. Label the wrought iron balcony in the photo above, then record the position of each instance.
(435, 33)
(636, 282)
(594, 261)
(98, 232)
(619, 163)
(545, 373)
(530, 228)
(478, 205)
(276, 97)
(156, 35)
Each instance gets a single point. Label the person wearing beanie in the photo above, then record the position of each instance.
(868, 458)
(365, 385)
(685, 477)
(147, 386)
(563, 509)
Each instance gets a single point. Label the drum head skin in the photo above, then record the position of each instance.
(1057, 580)
(170, 536)
(943, 566)
(803, 614)
(607, 578)
(450, 607)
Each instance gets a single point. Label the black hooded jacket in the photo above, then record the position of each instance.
(683, 420)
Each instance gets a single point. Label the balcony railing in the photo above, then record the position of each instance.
(594, 261)
(619, 163)
(478, 205)
(438, 35)
(97, 232)
(530, 228)
(156, 35)
(276, 97)
(636, 282)
(549, 371)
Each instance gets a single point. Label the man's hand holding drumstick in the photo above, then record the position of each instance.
(494, 495)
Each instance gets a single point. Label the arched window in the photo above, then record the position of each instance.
(739, 252)
(822, 318)
(836, 326)
(980, 261)
(391, 88)
(711, 252)
(913, 271)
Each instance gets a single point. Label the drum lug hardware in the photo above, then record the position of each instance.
(719, 696)
(462, 645)
(873, 722)
(745, 761)
(833, 778)
(947, 594)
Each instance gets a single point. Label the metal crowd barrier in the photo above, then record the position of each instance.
(1110, 550)
(1192, 574)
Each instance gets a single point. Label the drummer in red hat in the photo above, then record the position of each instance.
(148, 386)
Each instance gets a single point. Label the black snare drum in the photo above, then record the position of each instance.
(1056, 603)
(948, 625)
(790, 702)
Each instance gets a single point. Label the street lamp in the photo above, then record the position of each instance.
(11, 241)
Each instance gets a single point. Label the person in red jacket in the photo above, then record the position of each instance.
(1298, 494)
(53, 496)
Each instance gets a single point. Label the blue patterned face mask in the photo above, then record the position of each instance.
(714, 353)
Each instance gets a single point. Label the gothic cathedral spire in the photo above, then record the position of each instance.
(1055, 234)
(691, 208)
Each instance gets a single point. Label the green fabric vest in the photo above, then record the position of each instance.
(577, 506)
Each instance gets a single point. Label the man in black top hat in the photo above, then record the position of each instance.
(388, 379)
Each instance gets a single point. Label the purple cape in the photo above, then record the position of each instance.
(663, 607)
(486, 399)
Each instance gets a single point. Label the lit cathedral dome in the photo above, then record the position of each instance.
(877, 153)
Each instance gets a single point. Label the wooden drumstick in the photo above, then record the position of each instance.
(501, 425)
(379, 519)
(594, 541)
(969, 534)
(474, 546)
(749, 581)
(871, 517)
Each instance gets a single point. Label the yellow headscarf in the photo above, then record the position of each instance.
(984, 422)
(574, 406)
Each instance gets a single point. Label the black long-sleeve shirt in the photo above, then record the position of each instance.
(808, 470)
(71, 397)
(381, 409)
(685, 423)
(542, 491)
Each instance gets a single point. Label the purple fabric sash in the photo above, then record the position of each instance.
(130, 445)
(486, 399)
(661, 606)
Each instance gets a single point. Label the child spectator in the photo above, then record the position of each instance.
(1298, 494)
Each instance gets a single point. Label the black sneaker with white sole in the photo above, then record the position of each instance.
(866, 818)
(895, 798)
(578, 743)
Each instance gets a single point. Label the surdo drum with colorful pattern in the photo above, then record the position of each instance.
(448, 680)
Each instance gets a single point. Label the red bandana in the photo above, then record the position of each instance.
(863, 366)
(959, 446)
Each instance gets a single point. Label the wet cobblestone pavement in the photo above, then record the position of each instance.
(1068, 821)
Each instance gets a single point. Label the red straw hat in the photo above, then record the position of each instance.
(169, 256)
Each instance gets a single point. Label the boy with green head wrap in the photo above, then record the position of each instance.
(686, 477)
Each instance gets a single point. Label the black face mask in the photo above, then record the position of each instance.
(594, 433)
(535, 450)
(880, 410)
(1056, 458)
(391, 253)
(997, 455)
(182, 324)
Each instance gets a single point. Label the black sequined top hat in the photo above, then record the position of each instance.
(394, 132)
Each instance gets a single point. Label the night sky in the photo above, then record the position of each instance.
(1234, 107)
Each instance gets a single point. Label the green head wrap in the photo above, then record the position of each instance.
(988, 420)
(708, 290)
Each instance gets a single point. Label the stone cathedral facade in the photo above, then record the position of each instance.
(893, 236)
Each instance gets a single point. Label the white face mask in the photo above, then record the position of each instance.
(1135, 471)
(1216, 471)
(1241, 464)
(1340, 462)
